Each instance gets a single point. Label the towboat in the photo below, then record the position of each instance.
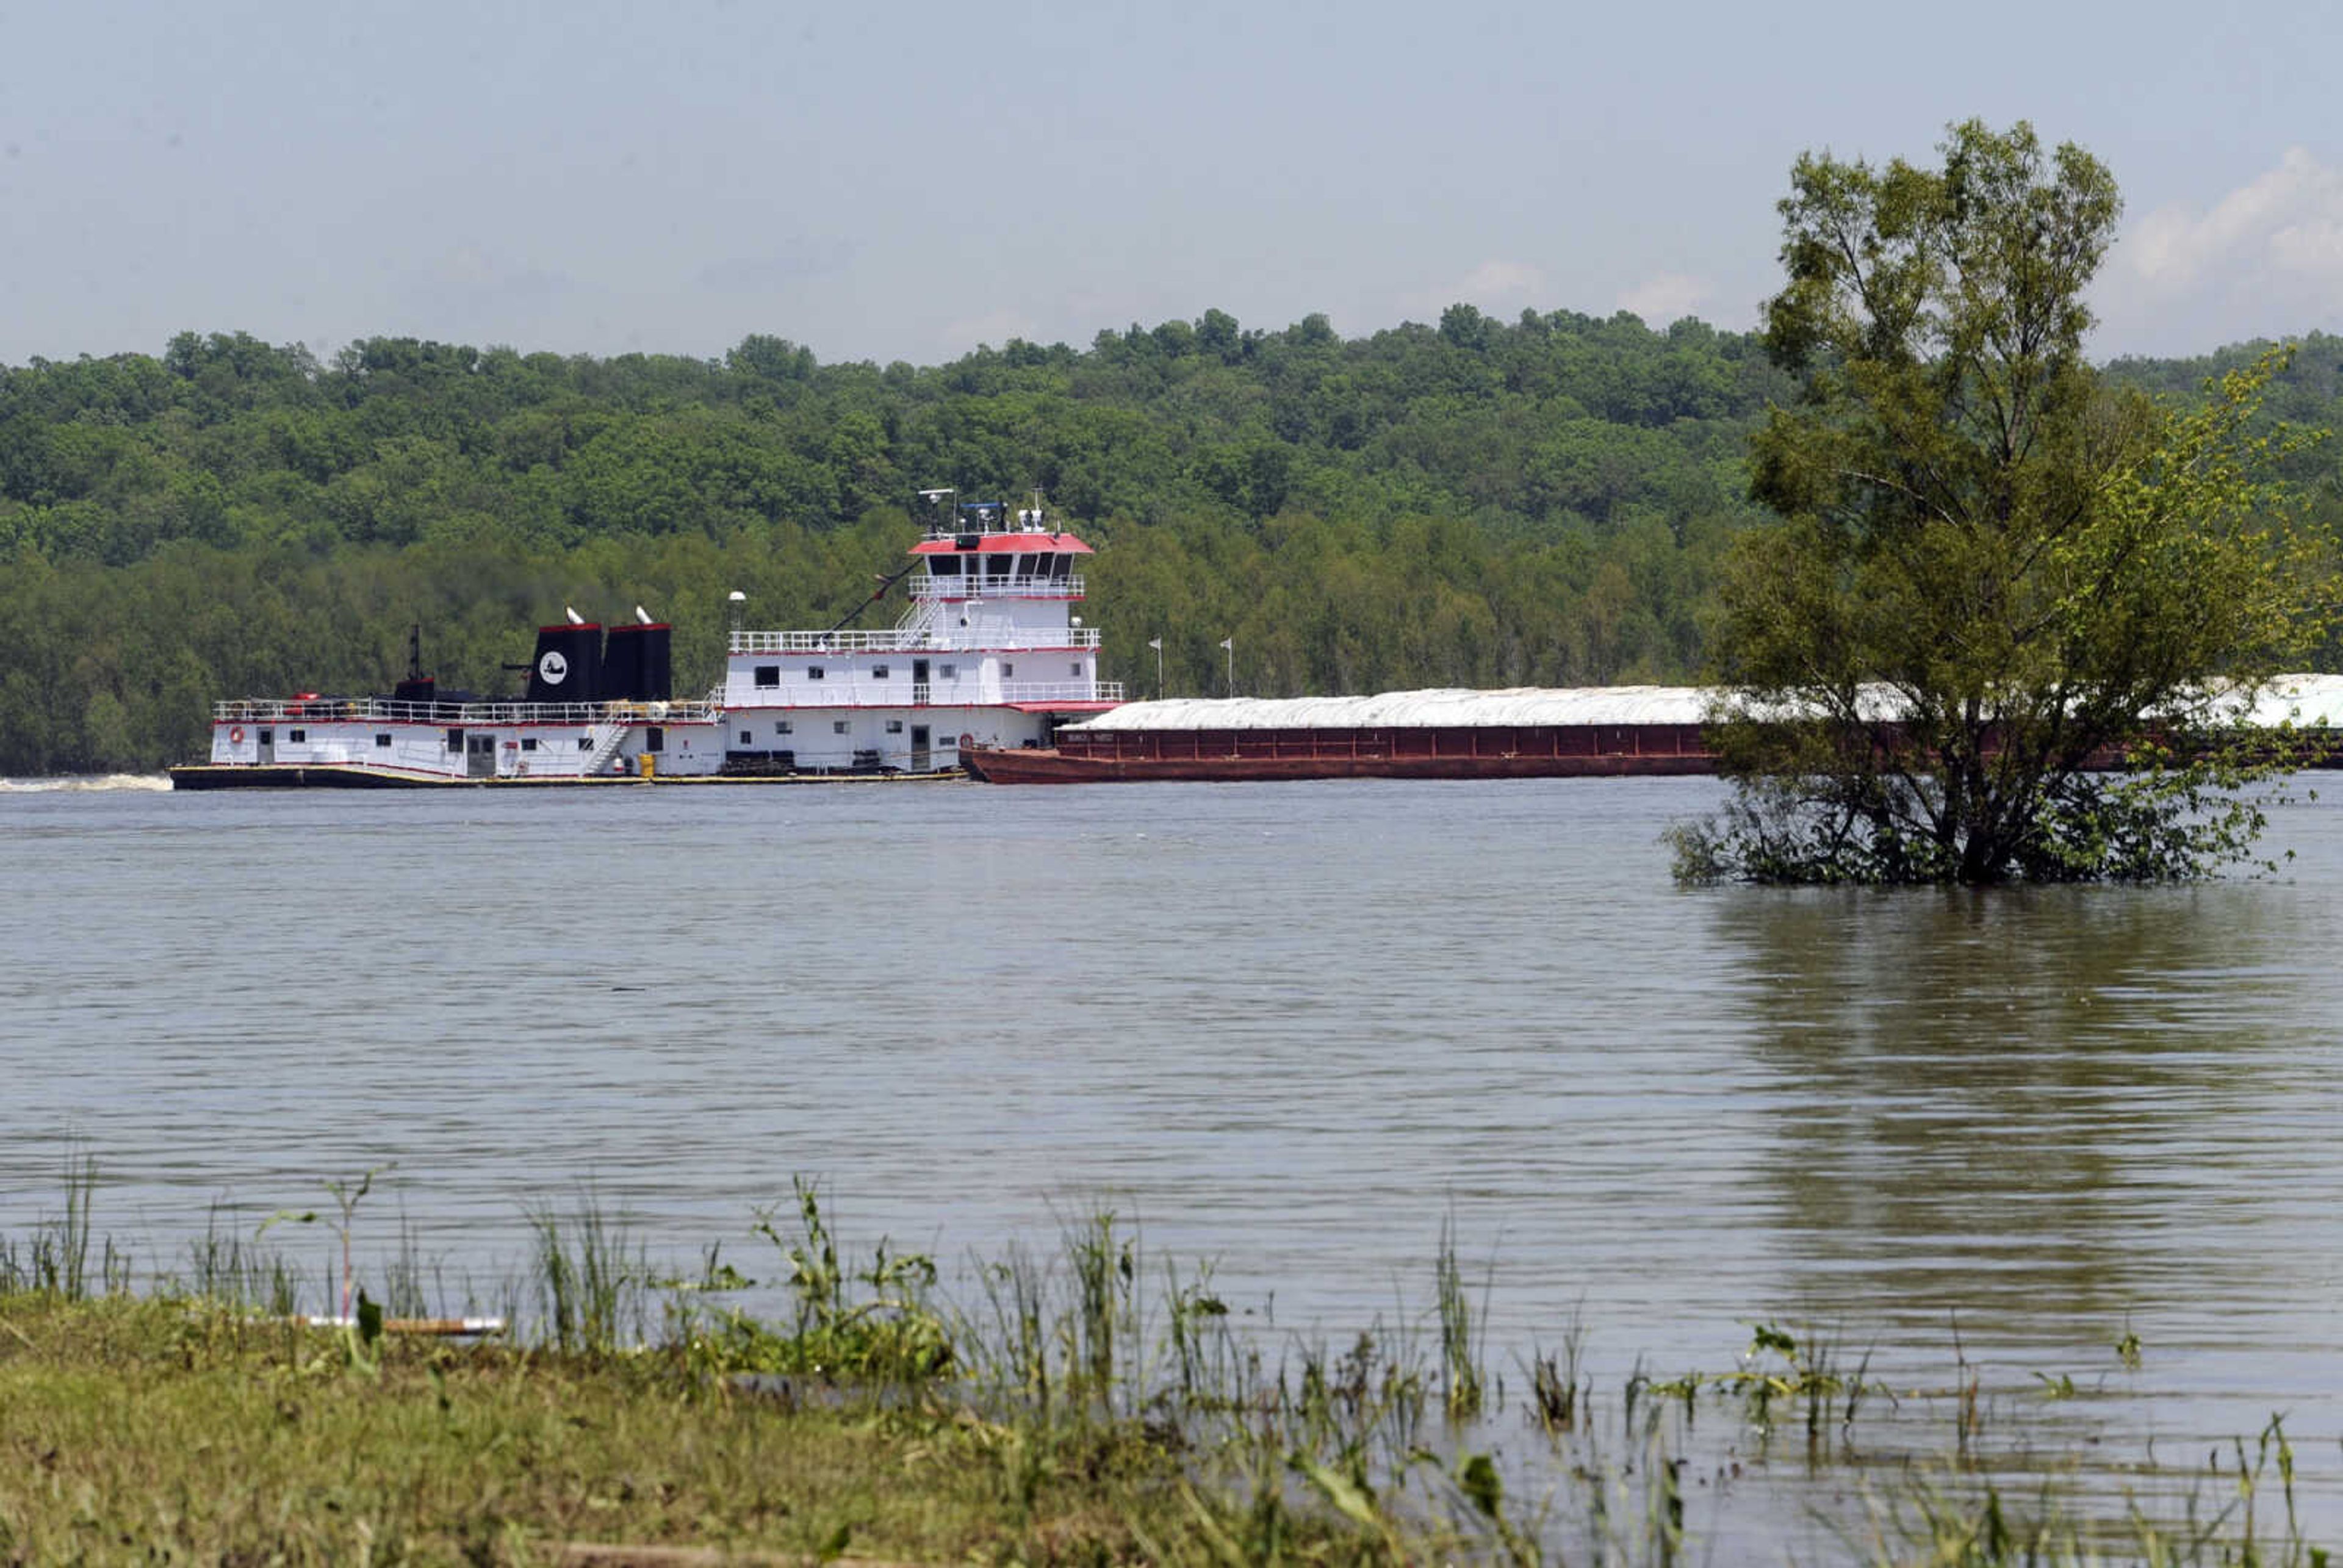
(990, 650)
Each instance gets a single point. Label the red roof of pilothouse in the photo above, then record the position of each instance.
(1063, 544)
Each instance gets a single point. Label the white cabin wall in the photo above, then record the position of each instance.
(814, 741)
(853, 680)
(690, 749)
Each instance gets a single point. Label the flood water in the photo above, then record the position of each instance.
(1290, 1028)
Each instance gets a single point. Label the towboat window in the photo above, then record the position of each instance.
(654, 739)
(1007, 670)
(528, 743)
(748, 738)
(947, 672)
(585, 743)
(838, 727)
(943, 565)
(1078, 667)
(768, 676)
(455, 741)
(383, 739)
(878, 672)
(813, 672)
(894, 726)
(784, 727)
(296, 736)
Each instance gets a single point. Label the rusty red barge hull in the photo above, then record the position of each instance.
(1479, 751)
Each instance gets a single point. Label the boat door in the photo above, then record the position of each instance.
(920, 688)
(479, 756)
(266, 740)
(920, 763)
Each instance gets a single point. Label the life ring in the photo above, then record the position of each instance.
(236, 735)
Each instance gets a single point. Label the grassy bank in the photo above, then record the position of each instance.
(146, 1429)
(1082, 1404)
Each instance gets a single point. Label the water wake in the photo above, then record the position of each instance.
(88, 781)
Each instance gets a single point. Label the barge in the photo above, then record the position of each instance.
(1520, 733)
(990, 650)
(1596, 732)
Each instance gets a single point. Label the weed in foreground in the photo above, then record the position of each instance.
(54, 1258)
(588, 1286)
(223, 1266)
(873, 1325)
(1559, 1391)
(1464, 1384)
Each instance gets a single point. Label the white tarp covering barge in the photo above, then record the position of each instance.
(2310, 701)
(1436, 709)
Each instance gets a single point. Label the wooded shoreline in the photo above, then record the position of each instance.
(1475, 503)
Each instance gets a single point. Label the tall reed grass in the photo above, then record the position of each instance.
(54, 1258)
(591, 1286)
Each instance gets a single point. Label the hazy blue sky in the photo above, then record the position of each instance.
(907, 180)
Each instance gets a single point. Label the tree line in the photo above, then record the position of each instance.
(1541, 501)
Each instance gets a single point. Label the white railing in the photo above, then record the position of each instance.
(894, 640)
(917, 639)
(980, 587)
(967, 691)
(1062, 692)
(384, 710)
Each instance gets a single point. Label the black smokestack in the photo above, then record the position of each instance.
(568, 664)
(635, 664)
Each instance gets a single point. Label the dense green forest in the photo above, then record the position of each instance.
(1484, 503)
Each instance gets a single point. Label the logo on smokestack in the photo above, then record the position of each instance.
(552, 668)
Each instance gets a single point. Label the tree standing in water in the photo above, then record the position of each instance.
(1991, 571)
